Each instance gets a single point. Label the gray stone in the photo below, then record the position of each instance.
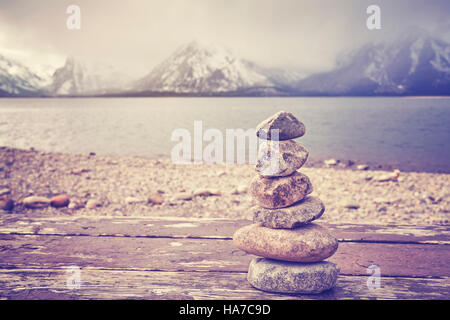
(92, 204)
(182, 196)
(132, 200)
(286, 124)
(310, 243)
(331, 162)
(60, 201)
(300, 213)
(280, 158)
(281, 191)
(6, 204)
(290, 277)
(240, 189)
(155, 198)
(35, 202)
(207, 192)
(4, 191)
(75, 204)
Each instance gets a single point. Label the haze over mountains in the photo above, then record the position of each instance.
(17, 79)
(412, 65)
(415, 64)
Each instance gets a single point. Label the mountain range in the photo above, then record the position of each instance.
(414, 64)
(410, 65)
(16, 79)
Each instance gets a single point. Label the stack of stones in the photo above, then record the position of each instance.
(292, 249)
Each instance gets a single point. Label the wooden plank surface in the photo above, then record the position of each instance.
(131, 284)
(353, 258)
(206, 228)
(195, 258)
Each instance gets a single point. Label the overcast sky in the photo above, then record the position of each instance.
(140, 33)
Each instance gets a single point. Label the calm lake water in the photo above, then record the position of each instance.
(409, 133)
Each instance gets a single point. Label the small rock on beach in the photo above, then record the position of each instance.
(6, 204)
(207, 192)
(330, 162)
(132, 200)
(182, 196)
(75, 204)
(155, 198)
(4, 192)
(393, 176)
(35, 202)
(92, 204)
(60, 201)
(240, 189)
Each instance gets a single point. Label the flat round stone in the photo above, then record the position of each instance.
(34, 202)
(290, 277)
(300, 213)
(60, 201)
(280, 158)
(6, 204)
(281, 126)
(310, 243)
(280, 192)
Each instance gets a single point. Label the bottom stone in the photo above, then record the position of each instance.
(292, 277)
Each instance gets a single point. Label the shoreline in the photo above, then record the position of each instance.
(138, 186)
(312, 162)
(230, 95)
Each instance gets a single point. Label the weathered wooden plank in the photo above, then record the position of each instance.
(130, 284)
(22, 251)
(206, 228)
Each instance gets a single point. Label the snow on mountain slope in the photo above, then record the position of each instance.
(198, 68)
(80, 77)
(18, 80)
(413, 64)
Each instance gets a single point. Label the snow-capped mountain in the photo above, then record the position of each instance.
(415, 64)
(82, 77)
(16, 79)
(198, 68)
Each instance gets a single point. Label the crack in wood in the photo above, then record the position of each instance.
(209, 238)
(117, 284)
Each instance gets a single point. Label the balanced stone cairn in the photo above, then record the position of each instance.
(292, 248)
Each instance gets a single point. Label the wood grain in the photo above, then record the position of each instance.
(176, 258)
(130, 284)
(207, 228)
(353, 258)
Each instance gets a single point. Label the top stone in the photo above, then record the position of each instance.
(286, 124)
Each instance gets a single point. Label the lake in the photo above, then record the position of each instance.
(408, 133)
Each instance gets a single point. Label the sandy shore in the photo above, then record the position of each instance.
(121, 186)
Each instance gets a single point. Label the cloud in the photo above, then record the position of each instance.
(139, 34)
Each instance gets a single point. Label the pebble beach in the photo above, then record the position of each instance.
(137, 186)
